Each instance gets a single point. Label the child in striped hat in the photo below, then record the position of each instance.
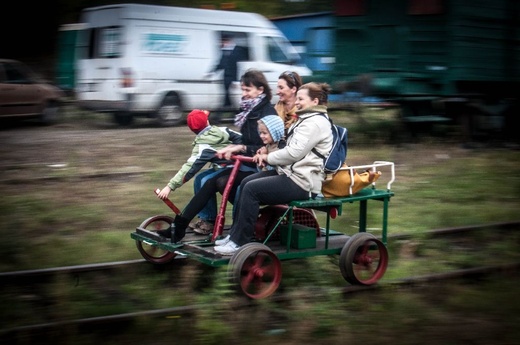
(271, 130)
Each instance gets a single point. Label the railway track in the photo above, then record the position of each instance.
(436, 233)
(176, 312)
(44, 275)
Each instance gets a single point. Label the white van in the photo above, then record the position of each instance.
(154, 60)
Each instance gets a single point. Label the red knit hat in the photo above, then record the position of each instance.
(197, 120)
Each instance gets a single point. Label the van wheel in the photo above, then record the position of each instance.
(123, 118)
(170, 112)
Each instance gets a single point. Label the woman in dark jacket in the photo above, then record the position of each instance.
(255, 104)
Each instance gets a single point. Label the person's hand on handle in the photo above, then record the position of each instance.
(229, 150)
(164, 193)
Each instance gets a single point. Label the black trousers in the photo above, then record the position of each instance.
(211, 187)
(227, 98)
(262, 188)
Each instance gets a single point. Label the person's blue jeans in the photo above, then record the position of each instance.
(209, 212)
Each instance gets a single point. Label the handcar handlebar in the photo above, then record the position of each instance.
(170, 204)
(175, 209)
(242, 158)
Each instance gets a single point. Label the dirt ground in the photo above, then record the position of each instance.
(87, 147)
(84, 144)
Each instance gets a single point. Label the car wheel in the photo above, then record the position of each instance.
(50, 113)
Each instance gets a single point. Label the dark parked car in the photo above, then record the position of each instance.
(22, 94)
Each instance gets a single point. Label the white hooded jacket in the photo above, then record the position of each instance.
(297, 160)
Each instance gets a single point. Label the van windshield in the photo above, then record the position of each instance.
(281, 51)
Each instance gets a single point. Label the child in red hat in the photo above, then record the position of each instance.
(209, 139)
(198, 120)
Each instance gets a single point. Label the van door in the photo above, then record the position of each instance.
(241, 40)
(100, 51)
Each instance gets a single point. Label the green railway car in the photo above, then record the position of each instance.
(463, 55)
(452, 47)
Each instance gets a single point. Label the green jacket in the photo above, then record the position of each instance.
(205, 144)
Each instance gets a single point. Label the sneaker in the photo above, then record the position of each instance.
(223, 241)
(203, 227)
(228, 249)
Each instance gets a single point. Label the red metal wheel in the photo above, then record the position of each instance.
(256, 270)
(235, 278)
(150, 252)
(363, 259)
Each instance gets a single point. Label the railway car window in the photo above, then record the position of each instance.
(387, 54)
(422, 7)
(320, 56)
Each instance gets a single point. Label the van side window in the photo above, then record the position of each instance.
(109, 42)
(240, 38)
(99, 43)
(83, 45)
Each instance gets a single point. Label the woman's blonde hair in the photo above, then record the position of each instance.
(317, 90)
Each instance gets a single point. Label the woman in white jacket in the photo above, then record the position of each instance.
(299, 171)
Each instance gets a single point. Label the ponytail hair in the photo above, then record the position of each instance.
(317, 90)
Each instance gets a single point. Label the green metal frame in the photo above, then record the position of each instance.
(327, 204)
(188, 249)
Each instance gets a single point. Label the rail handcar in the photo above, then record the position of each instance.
(282, 232)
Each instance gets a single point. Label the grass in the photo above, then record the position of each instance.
(81, 210)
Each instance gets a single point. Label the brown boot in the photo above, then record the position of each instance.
(203, 227)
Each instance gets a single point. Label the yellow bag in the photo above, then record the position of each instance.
(339, 184)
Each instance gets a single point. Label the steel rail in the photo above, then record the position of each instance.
(118, 264)
(458, 229)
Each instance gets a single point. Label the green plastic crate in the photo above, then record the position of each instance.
(302, 237)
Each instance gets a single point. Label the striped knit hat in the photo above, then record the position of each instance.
(275, 126)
